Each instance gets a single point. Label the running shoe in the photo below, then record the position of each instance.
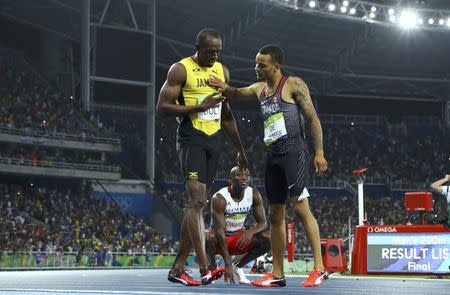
(212, 275)
(241, 275)
(315, 278)
(183, 278)
(269, 280)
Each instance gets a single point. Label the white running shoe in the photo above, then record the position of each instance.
(241, 276)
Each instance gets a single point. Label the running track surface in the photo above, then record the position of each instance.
(154, 282)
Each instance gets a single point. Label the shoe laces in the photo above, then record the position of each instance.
(314, 274)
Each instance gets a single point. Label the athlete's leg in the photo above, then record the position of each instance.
(257, 250)
(194, 218)
(276, 189)
(193, 164)
(184, 249)
(211, 169)
(261, 245)
(295, 168)
(277, 237)
(211, 246)
(311, 229)
(191, 226)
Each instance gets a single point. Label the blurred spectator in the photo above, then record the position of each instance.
(29, 102)
(56, 219)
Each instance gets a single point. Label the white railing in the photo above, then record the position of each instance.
(58, 165)
(36, 133)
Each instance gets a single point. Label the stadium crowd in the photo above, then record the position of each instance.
(30, 103)
(62, 218)
(43, 156)
(408, 159)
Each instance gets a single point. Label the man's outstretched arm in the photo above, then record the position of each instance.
(248, 93)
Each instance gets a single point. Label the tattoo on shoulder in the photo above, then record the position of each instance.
(301, 90)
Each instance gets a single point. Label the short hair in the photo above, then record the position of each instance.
(275, 52)
(204, 34)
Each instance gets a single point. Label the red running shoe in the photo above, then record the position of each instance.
(183, 278)
(315, 278)
(269, 280)
(212, 275)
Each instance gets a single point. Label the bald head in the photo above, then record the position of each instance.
(236, 170)
(239, 178)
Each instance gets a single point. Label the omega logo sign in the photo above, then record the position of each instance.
(385, 229)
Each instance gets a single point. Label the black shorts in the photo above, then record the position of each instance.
(285, 176)
(198, 162)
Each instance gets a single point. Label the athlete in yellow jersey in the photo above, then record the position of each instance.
(201, 113)
(202, 125)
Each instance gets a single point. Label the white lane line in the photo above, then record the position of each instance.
(102, 292)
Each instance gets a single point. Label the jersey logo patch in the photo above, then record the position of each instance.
(193, 175)
(202, 82)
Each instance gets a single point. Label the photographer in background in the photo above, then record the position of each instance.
(438, 187)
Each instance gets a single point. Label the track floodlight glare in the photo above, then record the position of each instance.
(408, 19)
(393, 13)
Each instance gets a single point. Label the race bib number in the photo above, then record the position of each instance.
(234, 225)
(274, 128)
(212, 114)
